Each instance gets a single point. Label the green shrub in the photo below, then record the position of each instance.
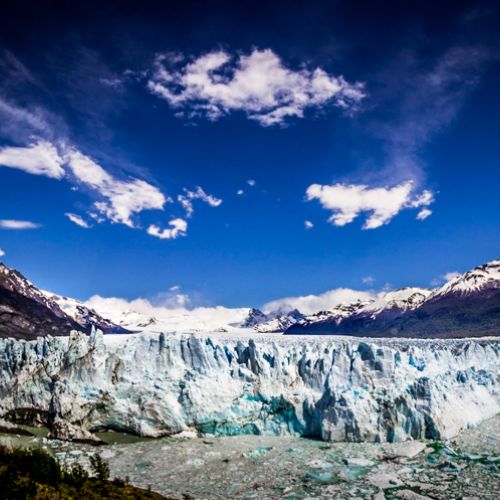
(99, 467)
(34, 474)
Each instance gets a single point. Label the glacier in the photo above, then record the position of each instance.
(332, 388)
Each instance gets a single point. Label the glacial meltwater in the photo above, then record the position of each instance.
(272, 467)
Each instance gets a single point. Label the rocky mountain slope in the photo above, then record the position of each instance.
(84, 315)
(467, 306)
(27, 312)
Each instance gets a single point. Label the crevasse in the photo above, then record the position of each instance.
(333, 388)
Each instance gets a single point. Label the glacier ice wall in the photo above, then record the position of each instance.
(337, 389)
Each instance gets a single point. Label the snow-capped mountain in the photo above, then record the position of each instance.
(255, 318)
(141, 315)
(396, 301)
(26, 312)
(468, 305)
(278, 323)
(479, 280)
(85, 316)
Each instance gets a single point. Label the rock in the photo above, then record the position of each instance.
(186, 434)
(384, 480)
(61, 429)
(409, 449)
(323, 477)
(410, 495)
(358, 462)
(9, 428)
(258, 452)
(450, 467)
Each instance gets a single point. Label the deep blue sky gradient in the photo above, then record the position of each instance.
(252, 248)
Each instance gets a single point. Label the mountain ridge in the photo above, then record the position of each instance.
(27, 312)
(467, 305)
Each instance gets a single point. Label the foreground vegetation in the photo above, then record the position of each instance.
(34, 474)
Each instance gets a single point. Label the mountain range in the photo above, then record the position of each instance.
(27, 312)
(466, 306)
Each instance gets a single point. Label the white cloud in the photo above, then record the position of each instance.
(186, 199)
(259, 84)
(123, 198)
(76, 219)
(308, 224)
(451, 275)
(348, 201)
(368, 280)
(39, 158)
(240, 192)
(251, 182)
(170, 311)
(423, 214)
(18, 224)
(17, 122)
(424, 96)
(179, 228)
(171, 299)
(310, 304)
(444, 278)
(2, 253)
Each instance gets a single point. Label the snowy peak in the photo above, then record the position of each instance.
(141, 315)
(481, 278)
(340, 312)
(84, 315)
(466, 306)
(402, 299)
(26, 312)
(279, 323)
(16, 283)
(407, 298)
(254, 318)
(392, 303)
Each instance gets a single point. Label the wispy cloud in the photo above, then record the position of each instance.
(444, 278)
(308, 224)
(18, 123)
(423, 98)
(310, 304)
(121, 198)
(78, 220)
(424, 213)
(38, 158)
(118, 197)
(382, 204)
(18, 224)
(186, 199)
(178, 228)
(258, 84)
(2, 253)
(419, 99)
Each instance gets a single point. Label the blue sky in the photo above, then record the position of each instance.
(238, 153)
